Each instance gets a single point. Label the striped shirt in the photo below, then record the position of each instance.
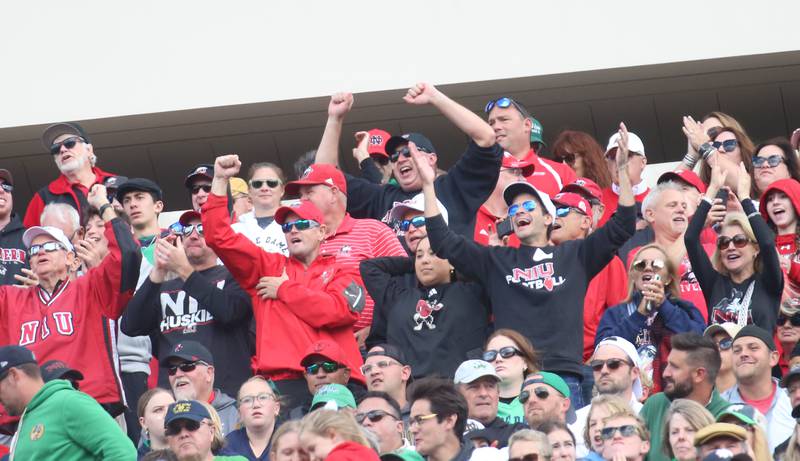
(356, 240)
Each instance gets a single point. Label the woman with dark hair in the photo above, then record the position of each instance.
(434, 321)
(780, 208)
(581, 151)
(513, 358)
(652, 313)
(151, 409)
(774, 160)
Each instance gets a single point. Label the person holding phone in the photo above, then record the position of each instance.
(652, 313)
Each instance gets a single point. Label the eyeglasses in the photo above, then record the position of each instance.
(177, 427)
(271, 183)
(567, 158)
(725, 344)
(419, 419)
(367, 369)
(374, 416)
(504, 352)
(327, 367)
(405, 152)
(563, 211)
(417, 221)
(249, 400)
(540, 393)
(300, 224)
(69, 143)
(7, 187)
(186, 231)
(739, 241)
(528, 457)
(641, 264)
(612, 364)
(795, 320)
(186, 367)
(48, 247)
(504, 103)
(204, 187)
(528, 205)
(727, 145)
(767, 162)
(607, 433)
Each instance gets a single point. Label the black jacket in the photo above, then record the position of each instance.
(435, 327)
(209, 307)
(538, 291)
(13, 254)
(462, 190)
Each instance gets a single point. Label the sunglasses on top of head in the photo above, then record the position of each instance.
(528, 205)
(271, 183)
(739, 241)
(300, 224)
(417, 221)
(728, 145)
(503, 103)
(69, 143)
(767, 162)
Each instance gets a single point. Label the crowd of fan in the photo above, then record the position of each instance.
(514, 307)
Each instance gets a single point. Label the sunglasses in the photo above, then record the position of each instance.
(795, 320)
(419, 419)
(327, 367)
(405, 152)
(186, 231)
(417, 221)
(48, 247)
(725, 344)
(262, 398)
(569, 159)
(739, 241)
(7, 187)
(504, 352)
(563, 211)
(271, 183)
(300, 224)
(204, 187)
(528, 457)
(612, 364)
(727, 146)
(374, 416)
(607, 433)
(177, 427)
(69, 143)
(367, 369)
(540, 393)
(186, 367)
(767, 162)
(641, 264)
(528, 205)
(503, 103)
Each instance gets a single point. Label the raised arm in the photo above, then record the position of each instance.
(466, 120)
(328, 150)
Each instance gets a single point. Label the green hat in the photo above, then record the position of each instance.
(537, 132)
(333, 393)
(744, 413)
(402, 454)
(551, 379)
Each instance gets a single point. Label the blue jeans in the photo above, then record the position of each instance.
(575, 396)
(587, 385)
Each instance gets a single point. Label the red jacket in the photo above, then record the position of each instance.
(351, 451)
(549, 176)
(312, 305)
(60, 191)
(611, 201)
(73, 324)
(608, 288)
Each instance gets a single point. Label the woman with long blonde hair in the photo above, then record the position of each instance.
(334, 436)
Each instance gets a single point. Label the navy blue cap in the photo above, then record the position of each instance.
(190, 351)
(136, 185)
(186, 409)
(13, 356)
(423, 144)
(56, 369)
(204, 170)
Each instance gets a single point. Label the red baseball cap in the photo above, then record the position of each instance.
(584, 187)
(188, 216)
(319, 173)
(304, 209)
(324, 348)
(509, 161)
(573, 200)
(686, 176)
(376, 143)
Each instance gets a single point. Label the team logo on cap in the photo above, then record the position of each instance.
(178, 348)
(580, 182)
(37, 432)
(307, 172)
(183, 407)
(201, 170)
(376, 140)
(582, 205)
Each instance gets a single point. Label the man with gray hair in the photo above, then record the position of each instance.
(527, 442)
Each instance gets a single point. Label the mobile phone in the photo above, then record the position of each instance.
(722, 194)
(649, 306)
(504, 228)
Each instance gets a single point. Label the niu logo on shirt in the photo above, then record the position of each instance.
(30, 331)
(536, 277)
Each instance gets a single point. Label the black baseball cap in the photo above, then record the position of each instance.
(13, 356)
(204, 170)
(136, 185)
(190, 351)
(424, 144)
(54, 131)
(186, 409)
(56, 369)
(393, 352)
(756, 332)
(113, 182)
(5, 175)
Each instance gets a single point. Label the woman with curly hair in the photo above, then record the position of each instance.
(583, 154)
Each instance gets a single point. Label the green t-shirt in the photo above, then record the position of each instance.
(512, 412)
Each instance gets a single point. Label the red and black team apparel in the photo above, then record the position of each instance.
(72, 324)
(209, 307)
(13, 254)
(538, 291)
(61, 191)
(549, 176)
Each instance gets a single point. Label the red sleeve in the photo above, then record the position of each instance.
(386, 243)
(794, 271)
(34, 211)
(336, 304)
(567, 174)
(243, 258)
(617, 288)
(111, 284)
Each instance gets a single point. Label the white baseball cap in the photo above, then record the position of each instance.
(470, 370)
(630, 350)
(57, 234)
(515, 188)
(635, 144)
(415, 203)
